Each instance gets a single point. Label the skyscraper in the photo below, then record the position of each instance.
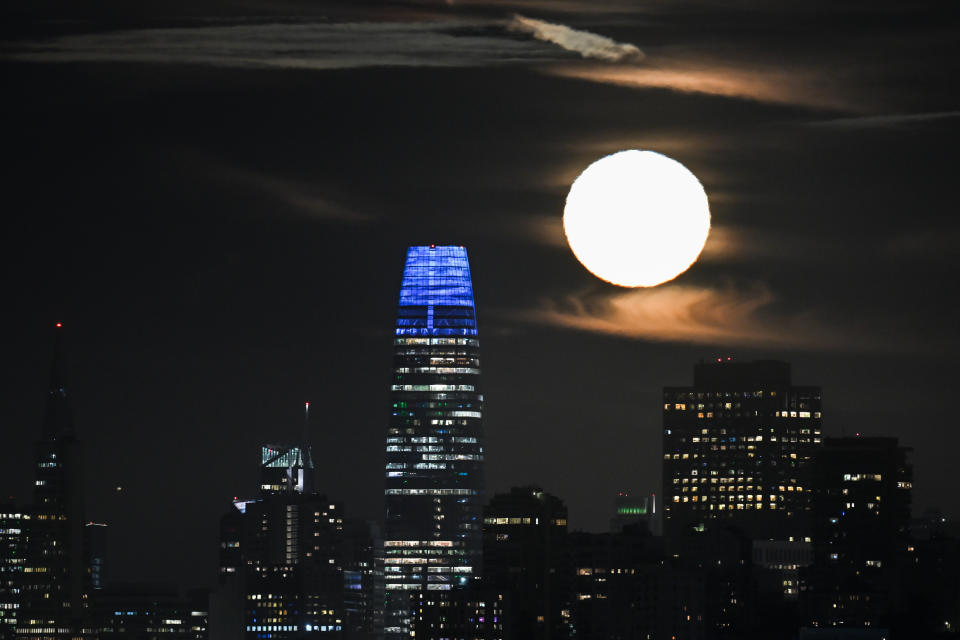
(55, 574)
(736, 450)
(434, 453)
(287, 566)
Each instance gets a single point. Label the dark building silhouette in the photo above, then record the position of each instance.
(736, 450)
(930, 586)
(147, 612)
(434, 452)
(362, 579)
(54, 582)
(525, 562)
(625, 588)
(95, 534)
(459, 614)
(862, 495)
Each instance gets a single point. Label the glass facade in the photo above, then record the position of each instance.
(434, 449)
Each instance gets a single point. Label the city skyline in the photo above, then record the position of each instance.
(216, 238)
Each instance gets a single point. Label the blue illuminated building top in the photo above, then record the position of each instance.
(436, 295)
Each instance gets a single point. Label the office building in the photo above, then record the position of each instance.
(147, 611)
(862, 494)
(526, 562)
(624, 588)
(287, 566)
(13, 521)
(737, 447)
(434, 452)
(459, 614)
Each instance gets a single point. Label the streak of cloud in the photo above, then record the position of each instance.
(778, 86)
(306, 199)
(317, 46)
(689, 314)
(587, 44)
(731, 244)
(929, 245)
(891, 120)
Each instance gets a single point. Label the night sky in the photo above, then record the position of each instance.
(216, 200)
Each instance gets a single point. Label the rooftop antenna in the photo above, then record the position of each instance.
(306, 421)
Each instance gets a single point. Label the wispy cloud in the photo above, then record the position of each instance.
(587, 44)
(930, 245)
(890, 120)
(731, 244)
(298, 46)
(779, 86)
(691, 314)
(307, 199)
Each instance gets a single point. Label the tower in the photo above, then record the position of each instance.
(55, 576)
(737, 447)
(434, 453)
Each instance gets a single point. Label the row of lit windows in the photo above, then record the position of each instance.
(430, 492)
(433, 387)
(439, 356)
(416, 586)
(470, 342)
(739, 487)
(589, 571)
(420, 559)
(721, 506)
(857, 477)
(788, 439)
(417, 543)
(560, 522)
(705, 431)
(439, 370)
(453, 456)
(467, 359)
(740, 496)
(433, 439)
(750, 454)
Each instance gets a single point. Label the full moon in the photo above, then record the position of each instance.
(636, 218)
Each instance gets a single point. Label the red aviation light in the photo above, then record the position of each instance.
(59, 325)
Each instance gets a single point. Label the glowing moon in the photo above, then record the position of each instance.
(636, 218)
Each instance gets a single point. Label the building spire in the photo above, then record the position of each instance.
(305, 450)
(58, 419)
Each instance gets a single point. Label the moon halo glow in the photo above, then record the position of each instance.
(636, 218)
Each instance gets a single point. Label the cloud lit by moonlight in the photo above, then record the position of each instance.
(636, 218)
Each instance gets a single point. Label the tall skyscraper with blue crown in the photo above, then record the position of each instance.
(434, 462)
